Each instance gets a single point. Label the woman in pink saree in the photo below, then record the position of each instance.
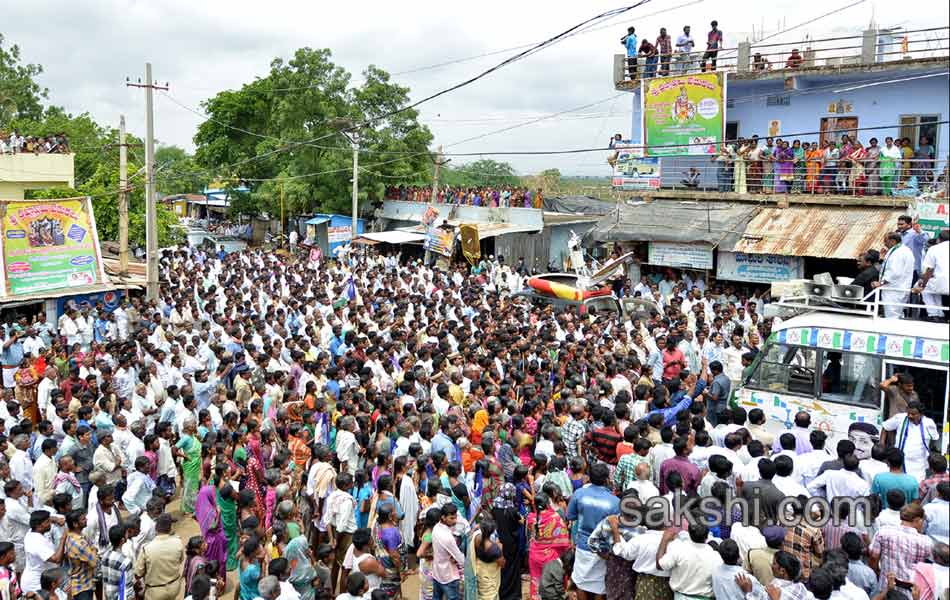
(548, 536)
(209, 520)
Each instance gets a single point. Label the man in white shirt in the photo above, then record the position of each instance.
(44, 470)
(897, 275)
(340, 516)
(41, 553)
(785, 478)
(846, 482)
(21, 467)
(935, 276)
(690, 561)
(347, 448)
(684, 50)
(808, 464)
(915, 434)
(640, 549)
(32, 343)
(875, 464)
(17, 520)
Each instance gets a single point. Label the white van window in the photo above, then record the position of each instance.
(786, 369)
(850, 378)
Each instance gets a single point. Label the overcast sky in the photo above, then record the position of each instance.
(88, 48)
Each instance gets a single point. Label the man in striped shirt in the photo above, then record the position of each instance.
(574, 430)
(117, 568)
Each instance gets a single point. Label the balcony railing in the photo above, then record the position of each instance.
(748, 60)
(859, 178)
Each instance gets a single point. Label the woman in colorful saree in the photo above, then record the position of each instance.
(212, 530)
(548, 536)
(190, 450)
(302, 572)
(227, 507)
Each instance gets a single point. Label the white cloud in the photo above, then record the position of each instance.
(88, 49)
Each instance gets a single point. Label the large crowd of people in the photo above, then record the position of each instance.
(776, 165)
(337, 427)
(504, 196)
(15, 143)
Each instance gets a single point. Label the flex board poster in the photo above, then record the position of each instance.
(441, 241)
(49, 245)
(633, 171)
(684, 115)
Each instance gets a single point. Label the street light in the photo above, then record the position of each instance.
(342, 125)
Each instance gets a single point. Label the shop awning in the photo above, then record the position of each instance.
(819, 231)
(317, 221)
(485, 230)
(715, 223)
(391, 237)
(59, 293)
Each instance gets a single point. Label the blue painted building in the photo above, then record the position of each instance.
(900, 96)
(331, 231)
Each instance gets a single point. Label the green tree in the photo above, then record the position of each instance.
(20, 95)
(184, 174)
(484, 172)
(283, 131)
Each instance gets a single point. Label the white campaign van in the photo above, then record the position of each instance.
(831, 364)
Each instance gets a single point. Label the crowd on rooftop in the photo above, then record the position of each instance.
(505, 196)
(846, 166)
(15, 143)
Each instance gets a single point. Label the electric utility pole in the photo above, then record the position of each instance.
(151, 225)
(123, 200)
(438, 162)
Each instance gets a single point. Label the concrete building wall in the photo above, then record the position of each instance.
(22, 172)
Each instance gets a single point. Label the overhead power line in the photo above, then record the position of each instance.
(568, 151)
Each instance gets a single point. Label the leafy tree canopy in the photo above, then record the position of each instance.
(284, 131)
(481, 173)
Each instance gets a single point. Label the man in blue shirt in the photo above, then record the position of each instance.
(914, 238)
(444, 442)
(681, 399)
(588, 507)
(655, 360)
(719, 391)
(12, 357)
(630, 43)
(336, 342)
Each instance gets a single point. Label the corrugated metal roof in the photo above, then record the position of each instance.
(821, 231)
(715, 223)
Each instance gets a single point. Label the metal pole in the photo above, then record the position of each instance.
(282, 228)
(435, 175)
(356, 172)
(151, 227)
(123, 200)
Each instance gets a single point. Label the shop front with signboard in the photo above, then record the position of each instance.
(758, 268)
(680, 255)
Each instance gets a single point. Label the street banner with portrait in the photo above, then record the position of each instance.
(683, 115)
(440, 240)
(49, 245)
